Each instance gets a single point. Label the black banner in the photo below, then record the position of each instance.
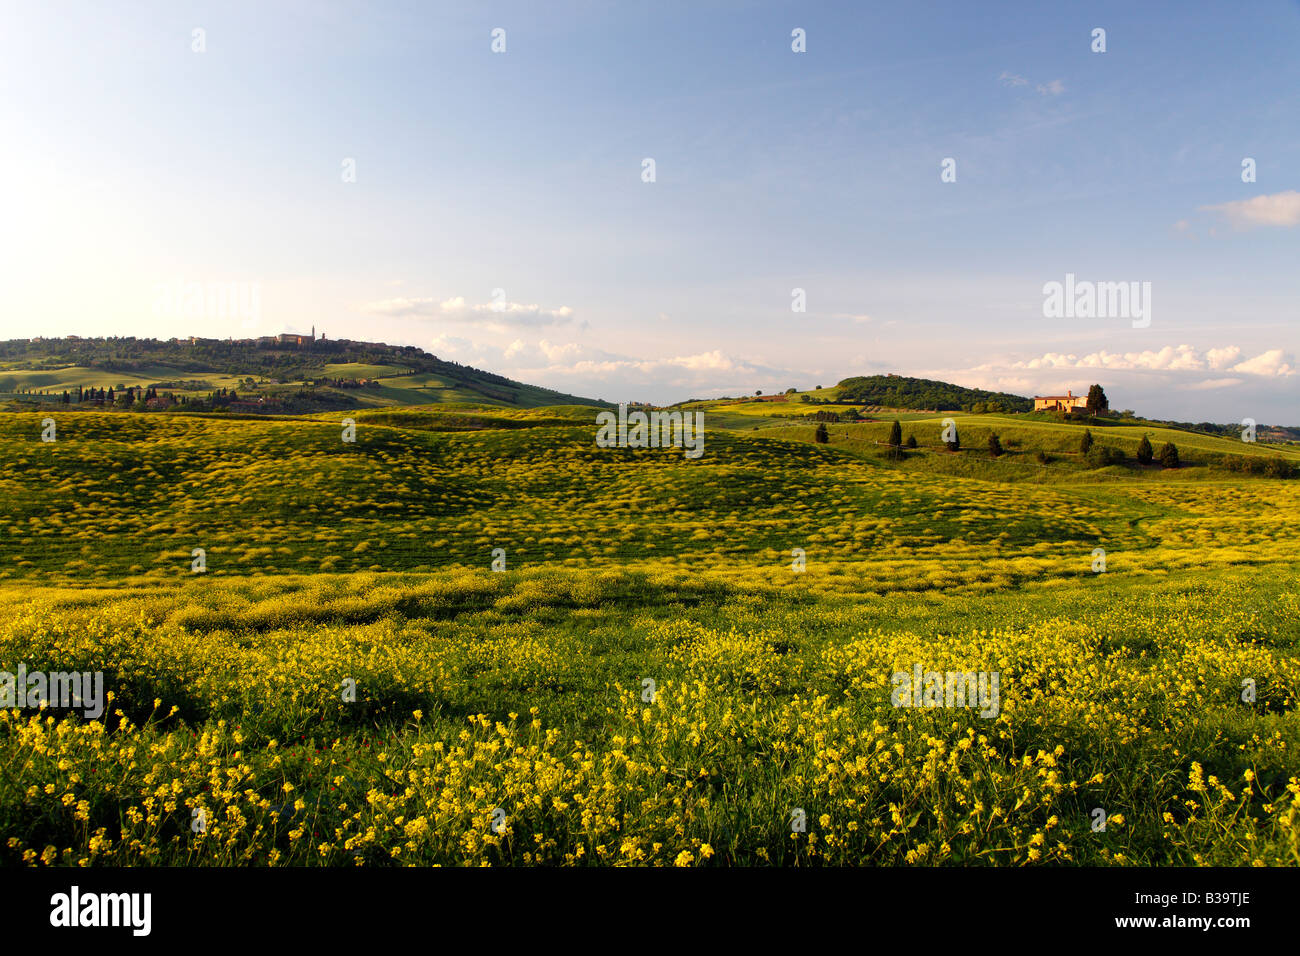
(142, 907)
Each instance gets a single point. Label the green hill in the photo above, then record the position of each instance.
(1046, 450)
(899, 391)
(268, 375)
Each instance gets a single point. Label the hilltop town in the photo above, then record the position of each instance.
(287, 373)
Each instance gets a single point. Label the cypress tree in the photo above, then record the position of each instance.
(895, 451)
(1145, 454)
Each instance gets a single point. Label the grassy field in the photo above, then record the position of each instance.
(362, 370)
(70, 377)
(349, 682)
(795, 409)
(283, 375)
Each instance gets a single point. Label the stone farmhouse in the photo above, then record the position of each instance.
(1061, 403)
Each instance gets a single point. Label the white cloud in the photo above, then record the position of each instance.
(1222, 358)
(557, 353)
(1277, 209)
(712, 361)
(585, 370)
(1273, 362)
(1212, 383)
(493, 314)
(450, 345)
(1050, 88)
(1181, 358)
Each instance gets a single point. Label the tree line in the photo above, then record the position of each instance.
(897, 391)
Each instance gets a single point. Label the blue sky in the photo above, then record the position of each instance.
(134, 163)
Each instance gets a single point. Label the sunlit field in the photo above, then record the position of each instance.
(682, 662)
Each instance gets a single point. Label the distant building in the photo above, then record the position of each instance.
(293, 338)
(1062, 403)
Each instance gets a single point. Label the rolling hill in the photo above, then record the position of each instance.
(288, 377)
(899, 391)
(441, 485)
(357, 652)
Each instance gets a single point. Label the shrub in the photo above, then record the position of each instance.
(1279, 468)
(995, 445)
(1250, 464)
(911, 441)
(821, 436)
(1099, 456)
(1169, 455)
(1144, 453)
(1042, 457)
(1086, 441)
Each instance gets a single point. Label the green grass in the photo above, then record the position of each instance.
(360, 370)
(441, 486)
(1023, 439)
(57, 380)
(524, 691)
(329, 561)
(419, 380)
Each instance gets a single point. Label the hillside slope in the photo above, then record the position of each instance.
(392, 375)
(428, 489)
(899, 391)
(767, 595)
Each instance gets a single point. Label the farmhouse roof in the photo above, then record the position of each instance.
(1068, 394)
